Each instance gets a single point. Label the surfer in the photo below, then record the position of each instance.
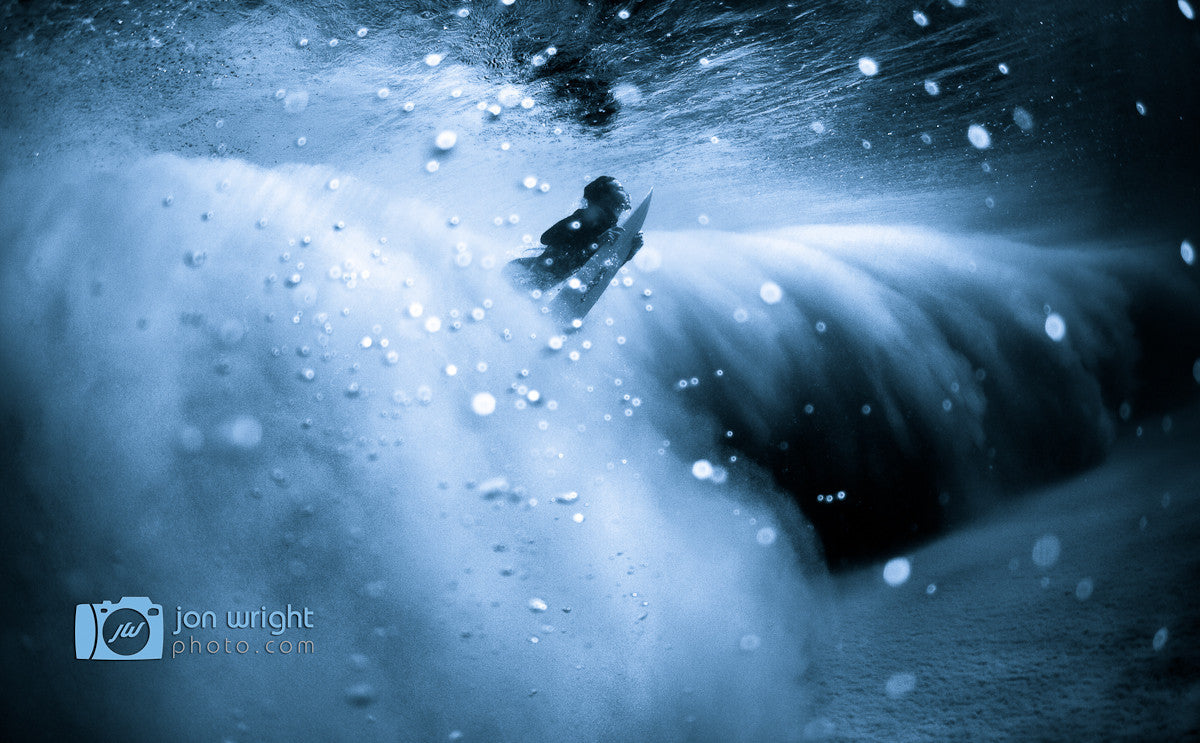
(571, 241)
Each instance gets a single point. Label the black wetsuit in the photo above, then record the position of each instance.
(569, 244)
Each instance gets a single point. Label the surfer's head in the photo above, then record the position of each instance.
(606, 192)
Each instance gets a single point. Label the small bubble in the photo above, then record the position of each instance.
(1187, 253)
(896, 571)
(749, 643)
(1186, 8)
(900, 684)
(1160, 639)
(538, 605)
(383, 93)
(446, 140)
(362, 32)
(702, 469)
(433, 60)
(1141, 108)
(1046, 551)
(432, 166)
(1003, 68)
(766, 536)
(868, 66)
(1023, 119)
(920, 18)
(333, 42)
(1083, 591)
(979, 137)
(770, 292)
(483, 403)
(1055, 327)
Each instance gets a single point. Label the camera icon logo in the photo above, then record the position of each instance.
(130, 629)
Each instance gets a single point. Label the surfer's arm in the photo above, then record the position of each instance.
(636, 244)
(565, 233)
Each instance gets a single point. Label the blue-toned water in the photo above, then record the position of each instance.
(903, 264)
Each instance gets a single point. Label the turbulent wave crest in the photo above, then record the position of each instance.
(243, 386)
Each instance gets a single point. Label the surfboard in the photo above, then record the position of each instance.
(575, 300)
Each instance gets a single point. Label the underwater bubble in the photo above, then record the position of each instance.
(433, 60)
(409, 105)
(920, 19)
(1023, 119)
(766, 536)
(702, 469)
(433, 324)
(362, 32)
(979, 137)
(900, 684)
(749, 643)
(1003, 68)
(1187, 253)
(896, 571)
(432, 166)
(301, 141)
(1046, 551)
(302, 43)
(1186, 8)
(383, 93)
(446, 140)
(932, 88)
(623, 15)
(1160, 638)
(245, 432)
(1141, 108)
(530, 181)
(334, 42)
(1055, 327)
(483, 403)
(195, 258)
(868, 66)
(1083, 591)
(770, 292)
(526, 103)
(577, 518)
(538, 605)
(817, 127)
